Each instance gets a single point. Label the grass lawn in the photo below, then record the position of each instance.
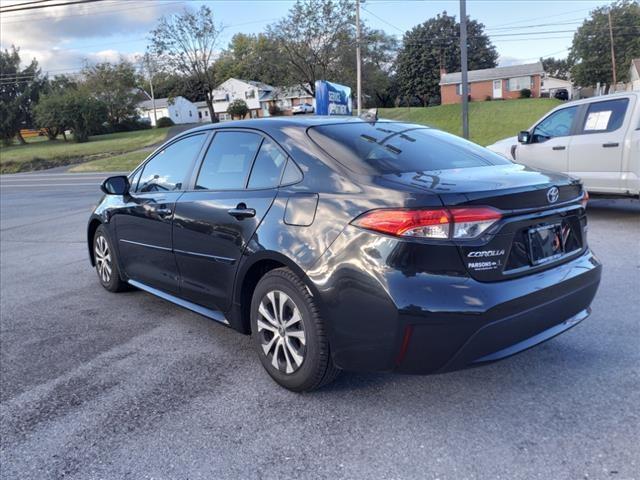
(488, 121)
(124, 162)
(40, 154)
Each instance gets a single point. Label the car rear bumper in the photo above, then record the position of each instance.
(381, 319)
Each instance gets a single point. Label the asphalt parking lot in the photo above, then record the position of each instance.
(97, 385)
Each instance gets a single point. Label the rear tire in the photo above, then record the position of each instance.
(105, 261)
(289, 334)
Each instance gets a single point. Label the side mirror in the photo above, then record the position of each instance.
(117, 185)
(524, 136)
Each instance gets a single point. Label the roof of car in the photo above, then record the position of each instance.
(282, 122)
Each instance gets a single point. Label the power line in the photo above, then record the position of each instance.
(38, 7)
(48, 18)
(22, 4)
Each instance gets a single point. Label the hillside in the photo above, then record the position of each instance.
(488, 121)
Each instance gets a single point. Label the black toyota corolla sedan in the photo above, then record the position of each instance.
(338, 243)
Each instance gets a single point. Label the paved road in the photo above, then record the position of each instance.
(101, 386)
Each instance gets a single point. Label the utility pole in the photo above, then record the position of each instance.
(613, 53)
(463, 61)
(358, 66)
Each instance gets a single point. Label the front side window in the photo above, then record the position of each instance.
(518, 83)
(167, 170)
(228, 160)
(459, 89)
(605, 116)
(558, 124)
(268, 166)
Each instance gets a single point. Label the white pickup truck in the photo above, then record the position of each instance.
(596, 139)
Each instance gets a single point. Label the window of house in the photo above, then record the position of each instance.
(199, 114)
(518, 83)
(206, 113)
(190, 113)
(605, 116)
(459, 89)
(250, 94)
(228, 161)
(167, 170)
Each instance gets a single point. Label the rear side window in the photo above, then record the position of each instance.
(268, 166)
(228, 160)
(605, 116)
(167, 170)
(380, 148)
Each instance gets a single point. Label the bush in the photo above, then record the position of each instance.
(275, 110)
(488, 98)
(76, 110)
(434, 101)
(164, 122)
(525, 93)
(238, 108)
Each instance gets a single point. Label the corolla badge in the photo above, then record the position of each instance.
(553, 194)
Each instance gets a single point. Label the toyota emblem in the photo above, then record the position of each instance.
(553, 194)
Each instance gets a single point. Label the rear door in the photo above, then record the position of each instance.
(214, 221)
(596, 151)
(144, 224)
(550, 142)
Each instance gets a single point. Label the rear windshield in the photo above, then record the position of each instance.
(380, 148)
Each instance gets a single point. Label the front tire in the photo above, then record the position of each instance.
(289, 334)
(105, 261)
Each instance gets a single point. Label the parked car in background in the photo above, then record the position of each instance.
(339, 243)
(561, 94)
(302, 108)
(596, 139)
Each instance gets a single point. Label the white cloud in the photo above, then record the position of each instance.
(50, 34)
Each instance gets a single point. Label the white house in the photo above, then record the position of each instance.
(178, 109)
(634, 74)
(258, 95)
(550, 85)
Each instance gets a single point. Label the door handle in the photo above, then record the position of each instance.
(241, 211)
(559, 147)
(163, 212)
(610, 144)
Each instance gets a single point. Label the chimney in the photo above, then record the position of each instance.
(443, 72)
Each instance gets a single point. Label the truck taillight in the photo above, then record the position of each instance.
(439, 223)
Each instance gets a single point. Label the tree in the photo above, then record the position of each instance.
(186, 43)
(238, 108)
(435, 45)
(50, 115)
(591, 48)
(312, 38)
(20, 89)
(557, 67)
(253, 57)
(115, 86)
(74, 109)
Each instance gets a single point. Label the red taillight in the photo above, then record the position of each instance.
(585, 199)
(440, 223)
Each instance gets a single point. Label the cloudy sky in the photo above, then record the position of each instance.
(62, 38)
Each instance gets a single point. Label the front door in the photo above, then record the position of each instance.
(144, 224)
(215, 222)
(596, 150)
(549, 146)
(497, 89)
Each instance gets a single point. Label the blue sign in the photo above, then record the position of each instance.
(332, 98)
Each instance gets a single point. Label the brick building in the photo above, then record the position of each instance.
(496, 83)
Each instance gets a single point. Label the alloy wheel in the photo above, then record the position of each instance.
(103, 259)
(281, 330)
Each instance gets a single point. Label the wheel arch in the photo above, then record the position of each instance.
(247, 278)
(94, 223)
